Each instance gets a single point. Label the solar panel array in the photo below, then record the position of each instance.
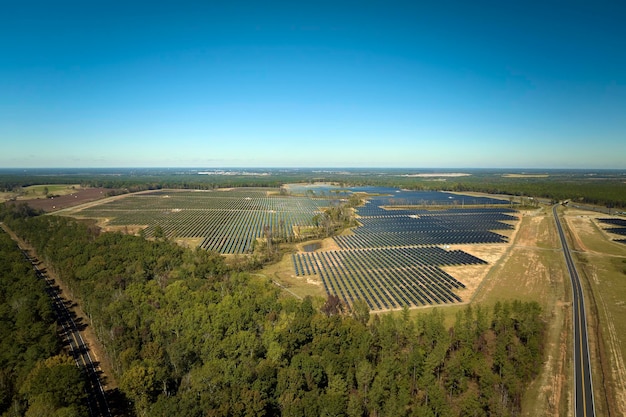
(391, 260)
(619, 230)
(227, 221)
(382, 227)
(373, 276)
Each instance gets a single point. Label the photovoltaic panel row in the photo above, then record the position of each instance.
(391, 196)
(380, 240)
(617, 230)
(390, 258)
(370, 225)
(353, 277)
(614, 222)
(374, 209)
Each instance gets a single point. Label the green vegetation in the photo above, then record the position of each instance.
(29, 346)
(603, 187)
(187, 336)
(47, 190)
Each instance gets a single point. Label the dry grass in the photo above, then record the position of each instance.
(284, 275)
(532, 269)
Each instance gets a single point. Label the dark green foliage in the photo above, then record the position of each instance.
(55, 384)
(187, 337)
(32, 380)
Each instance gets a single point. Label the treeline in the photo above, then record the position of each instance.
(36, 378)
(602, 188)
(603, 193)
(186, 336)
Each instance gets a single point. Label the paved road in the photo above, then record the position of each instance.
(583, 387)
(97, 401)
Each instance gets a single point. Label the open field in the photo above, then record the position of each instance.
(40, 191)
(55, 189)
(60, 197)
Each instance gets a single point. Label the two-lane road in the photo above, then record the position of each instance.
(97, 399)
(583, 387)
(71, 333)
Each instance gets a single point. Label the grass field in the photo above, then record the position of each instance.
(39, 191)
(35, 191)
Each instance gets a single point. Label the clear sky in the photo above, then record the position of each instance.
(502, 84)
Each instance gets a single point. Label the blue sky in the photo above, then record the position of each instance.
(502, 84)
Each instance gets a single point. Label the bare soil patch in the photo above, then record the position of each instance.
(81, 196)
(525, 175)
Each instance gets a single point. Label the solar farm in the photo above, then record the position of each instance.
(617, 227)
(226, 221)
(395, 258)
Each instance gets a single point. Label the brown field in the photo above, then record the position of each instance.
(77, 197)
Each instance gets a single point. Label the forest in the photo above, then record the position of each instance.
(188, 336)
(30, 349)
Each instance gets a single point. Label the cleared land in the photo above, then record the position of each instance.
(60, 197)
